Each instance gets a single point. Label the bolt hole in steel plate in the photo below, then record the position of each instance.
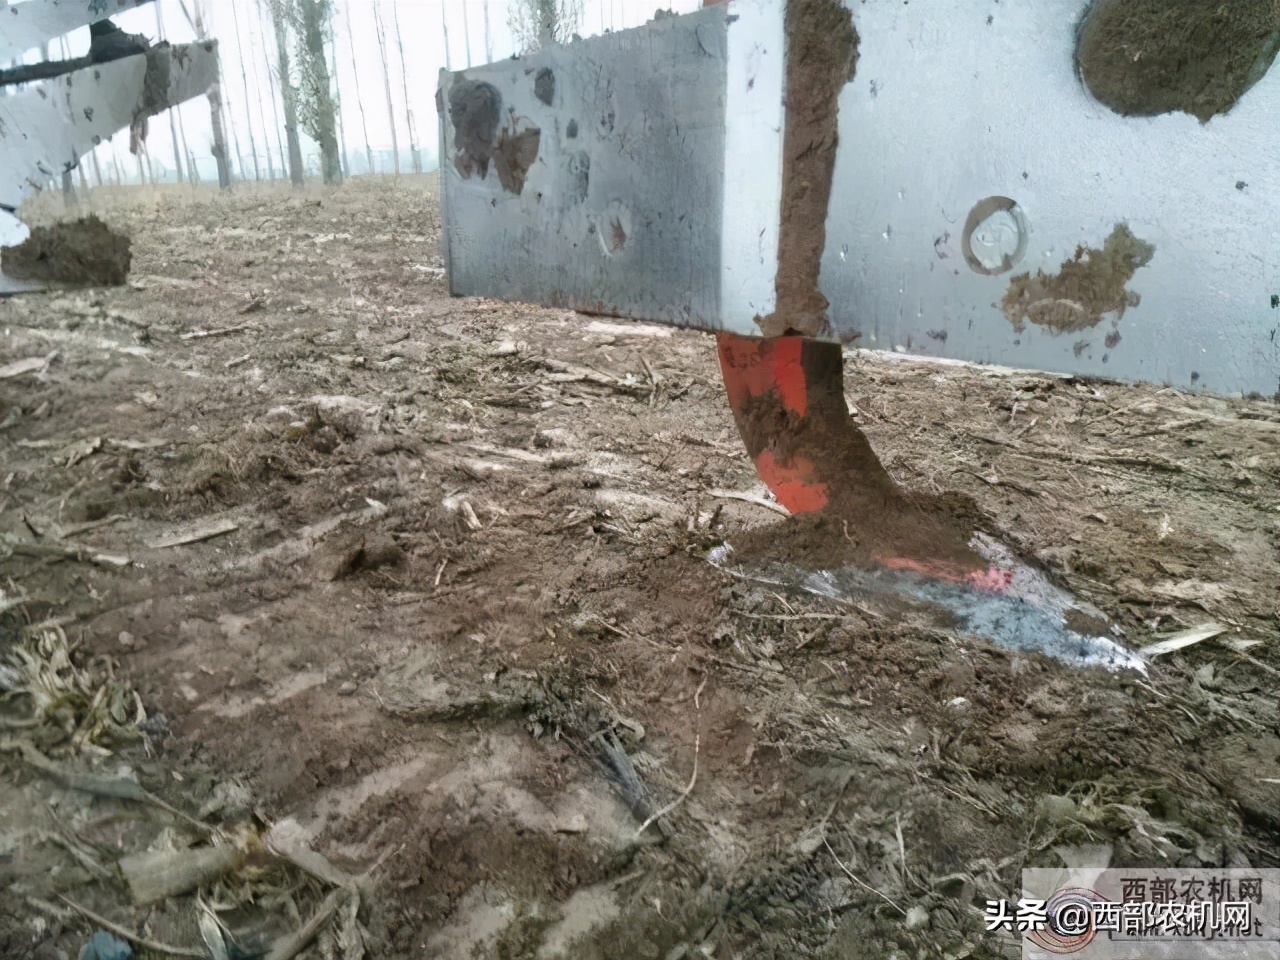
(1015, 103)
(995, 236)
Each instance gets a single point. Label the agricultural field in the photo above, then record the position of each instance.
(341, 616)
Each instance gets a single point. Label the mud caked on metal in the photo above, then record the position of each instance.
(986, 203)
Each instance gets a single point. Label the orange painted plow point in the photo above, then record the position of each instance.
(755, 369)
(787, 396)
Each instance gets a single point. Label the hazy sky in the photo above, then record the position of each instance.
(422, 23)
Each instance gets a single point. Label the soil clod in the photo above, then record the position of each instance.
(84, 252)
(1146, 57)
(1086, 287)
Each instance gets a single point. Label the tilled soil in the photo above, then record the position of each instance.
(427, 576)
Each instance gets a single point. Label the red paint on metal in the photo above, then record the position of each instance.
(793, 483)
(753, 367)
(757, 367)
(991, 580)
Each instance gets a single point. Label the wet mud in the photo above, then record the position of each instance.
(514, 154)
(822, 55)
(544, 85)
(1085, 288)
(84, 252)
(1147, 57)
(475, 111)
(867, 517)
(155, 82)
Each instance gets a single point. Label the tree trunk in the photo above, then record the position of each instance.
(488, 35)
(173, 123)
(444, 24)
(219, 137)
(273, 88)
(546, 22)
(69, 197)
(313, 18)
(386, 78)
(258, 40)
(225, 106)
(219, 149)
(287, 94)
(186, 151)
(248, 101)
(342, 126)
(355, 72)
(466, 32)
(414, 152)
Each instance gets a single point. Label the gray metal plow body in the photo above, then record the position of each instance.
(984, 205)
(26, 24)
(47, 125)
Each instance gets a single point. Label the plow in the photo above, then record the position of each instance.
(795, 465)
(1086, 188)
(57, 111)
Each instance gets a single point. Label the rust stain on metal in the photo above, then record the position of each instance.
(615, 228)
(1092, 283)
(822, 54)
(619, 238)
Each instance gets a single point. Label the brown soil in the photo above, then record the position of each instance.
(1092, 283)
(868, 517)
(1146, 57)
(489, 693)
(84, 252)
(822, 55)
(514, 154)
